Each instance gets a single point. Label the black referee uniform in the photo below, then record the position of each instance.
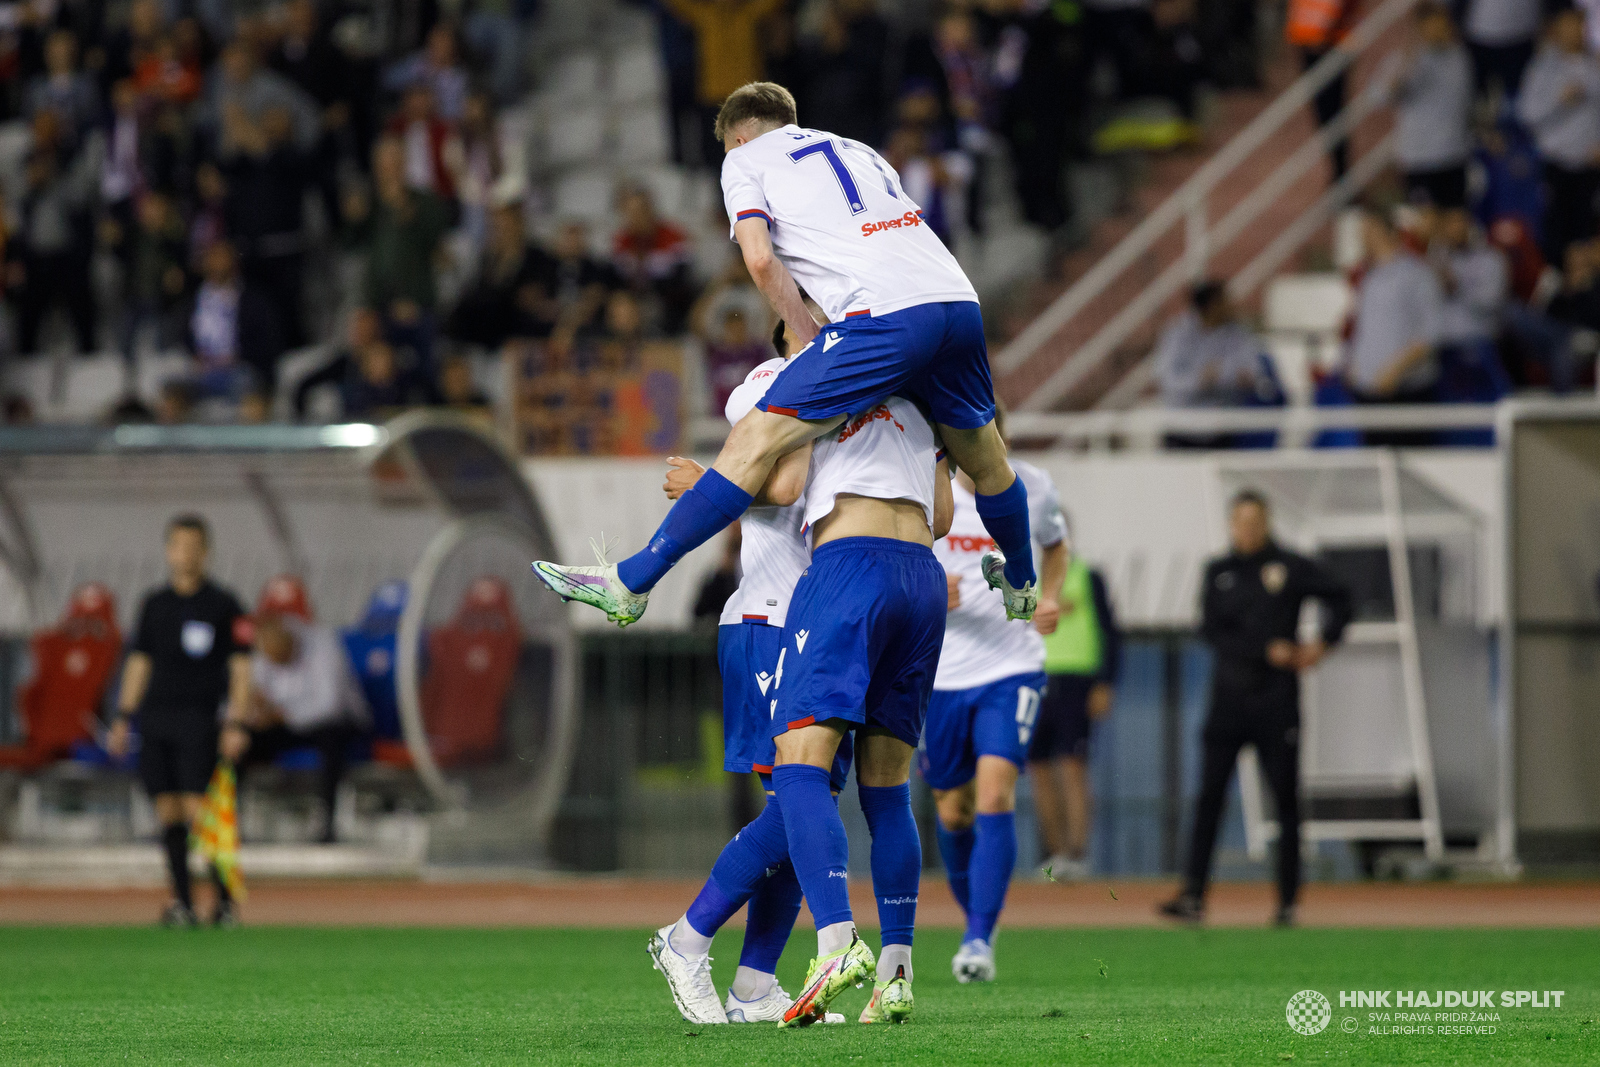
(1249, 602)
(189, 641)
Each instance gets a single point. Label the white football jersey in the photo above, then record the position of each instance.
(773, 551)
(980, 644)
(887, 452)
(841, 223)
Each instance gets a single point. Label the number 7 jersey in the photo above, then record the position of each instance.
(841, 223)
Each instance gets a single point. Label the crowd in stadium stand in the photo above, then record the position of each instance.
(224, 158)
(1483, 274)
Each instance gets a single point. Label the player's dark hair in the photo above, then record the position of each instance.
(191, 521)
(779, 341)
(761, 101)
(1249, 496)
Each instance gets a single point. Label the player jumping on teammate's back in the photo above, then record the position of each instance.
(986, 694)
(903, 320)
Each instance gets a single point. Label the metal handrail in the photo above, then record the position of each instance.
(1187, 204)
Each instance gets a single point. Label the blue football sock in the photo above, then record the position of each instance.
(993, 857)
(740, 870)
(818, 847)
(1005, 516)
(773, 910)
(896, 858)
(955, 848)
(696, 518)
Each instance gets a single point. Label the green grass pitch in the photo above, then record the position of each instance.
(305, 997)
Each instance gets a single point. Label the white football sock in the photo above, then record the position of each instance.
(686, 940)
(892, 957)
(831, 939)
(750, 984)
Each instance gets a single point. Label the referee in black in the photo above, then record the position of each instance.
(187, 658)
(1250, 608)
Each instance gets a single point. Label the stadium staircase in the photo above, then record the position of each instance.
(1239, 213)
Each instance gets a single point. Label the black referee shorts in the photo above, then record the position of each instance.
(177, 753)
(1062, 729)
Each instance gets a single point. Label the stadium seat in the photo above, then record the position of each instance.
(371, 644)
(73, 664)
(586, 195)
(642, 136)
(575, 77)
(471, 662)
(573, 135)
(637, 75)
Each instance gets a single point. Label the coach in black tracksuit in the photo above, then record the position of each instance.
(187, 659)
(1250, 608)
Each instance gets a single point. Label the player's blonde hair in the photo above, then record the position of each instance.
(761, 101)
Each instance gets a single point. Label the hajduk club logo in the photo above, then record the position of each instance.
(1309, 1012)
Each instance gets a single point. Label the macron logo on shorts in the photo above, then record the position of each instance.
(763, 679)
(799, 642)
(831, 340)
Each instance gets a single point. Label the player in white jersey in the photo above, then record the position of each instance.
(807, 205)
(753, 868)
(755, 865)
(986, 695)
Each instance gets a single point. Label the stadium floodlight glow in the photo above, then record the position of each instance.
(351, 435)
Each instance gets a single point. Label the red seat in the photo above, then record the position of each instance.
(471, 662)
(73, 663)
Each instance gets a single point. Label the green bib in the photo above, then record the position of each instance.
(1075, 647)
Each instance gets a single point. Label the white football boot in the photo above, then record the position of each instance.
(974, 962)
(689, 978)
(766, 1009)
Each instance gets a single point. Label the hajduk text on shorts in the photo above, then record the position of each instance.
(1451, 998)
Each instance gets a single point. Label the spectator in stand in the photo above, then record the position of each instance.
(267, 174)
(490, 170)
(1042, 59)
(1433, 101)
(156, 279)
(1575, 309)
(168, 74)
(64, 89)
(721, 583)
(1206, 357)
(733, 350)
(968, 75)
(846, 63)
(1392, 354)
(50, 252)
(494, 29)
(303, 695)
(364, 328)
(432, 149)
(935, 181)
(1178, 64)
(458, 391)
(1501, 35)
(234, 330)
(729, 46)
(574, 282)
(127, 47)
(652, 257)
(209, 221)
(402, 229)
(509, 298)
(1560, 103)
(306, 55)
(242, 92)
(123, 175)
(1123, 33)
(1475, 280)
(1315, 28)
(437, 67)
(378, 387)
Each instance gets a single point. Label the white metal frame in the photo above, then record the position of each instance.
(1402, 634)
